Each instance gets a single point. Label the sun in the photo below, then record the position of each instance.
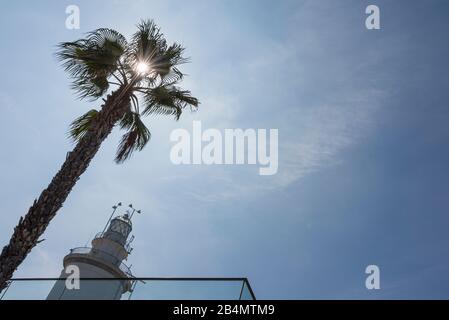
(143, 68)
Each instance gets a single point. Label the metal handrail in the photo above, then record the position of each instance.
(101, 235)
(245, 281)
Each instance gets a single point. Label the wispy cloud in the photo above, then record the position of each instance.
(320, 143)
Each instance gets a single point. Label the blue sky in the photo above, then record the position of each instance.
(363, 145)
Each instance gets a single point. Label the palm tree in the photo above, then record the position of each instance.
(144, 70)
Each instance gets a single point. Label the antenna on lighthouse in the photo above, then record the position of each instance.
(114, 208)
(134, 211)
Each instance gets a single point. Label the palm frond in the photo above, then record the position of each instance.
(135, 102)
(146, 44)
(168, 100)
(81, 125)
(91, 61)
(173, 77)
(136, 138)
(168, 59)
(149, 45)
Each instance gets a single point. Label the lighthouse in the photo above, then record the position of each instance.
(101, 267)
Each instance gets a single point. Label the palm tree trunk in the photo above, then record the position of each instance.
(30, 228)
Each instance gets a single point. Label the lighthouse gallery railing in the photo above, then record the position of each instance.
(99, 253)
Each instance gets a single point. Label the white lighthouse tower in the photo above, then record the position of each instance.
(99, 263)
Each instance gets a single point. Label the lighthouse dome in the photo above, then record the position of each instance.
(119, 229)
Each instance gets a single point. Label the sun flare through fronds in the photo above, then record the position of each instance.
(146, 68)
(143, 68)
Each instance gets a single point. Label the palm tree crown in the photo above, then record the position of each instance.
(146, 67)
